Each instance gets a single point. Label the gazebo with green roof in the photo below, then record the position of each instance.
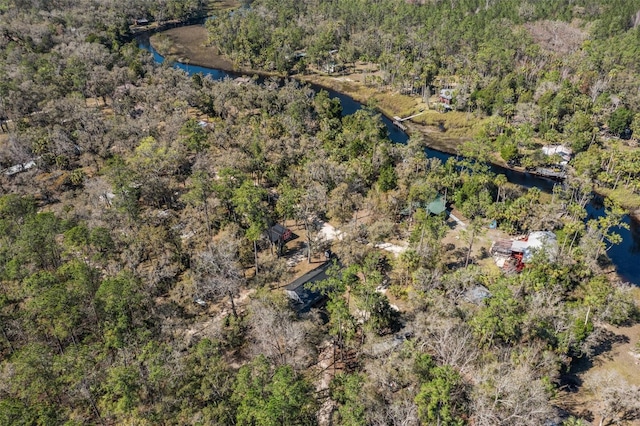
(437, 206)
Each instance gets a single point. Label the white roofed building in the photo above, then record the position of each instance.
(541, 241)
(513, 255)
(564, 152)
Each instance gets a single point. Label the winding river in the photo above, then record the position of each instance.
(625, 256)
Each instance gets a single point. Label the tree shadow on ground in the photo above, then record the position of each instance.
(604, 342)
(570, 381)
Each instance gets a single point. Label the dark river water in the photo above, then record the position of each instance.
(625, 256)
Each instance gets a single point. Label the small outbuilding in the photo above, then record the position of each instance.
(437, 206)
(446, 96)
(301, 296)
(279, 236)
(541, 241)
(279, 233)
(564, 152)
(512, 256)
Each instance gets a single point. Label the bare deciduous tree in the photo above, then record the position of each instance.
(389, 392)
(278, 334)
(452, 343)
(617, 401)
(218, 272)
(508, 395)
(312, 204)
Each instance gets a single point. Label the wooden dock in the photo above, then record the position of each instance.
(399, 125)
(397, 121)
(551, 173)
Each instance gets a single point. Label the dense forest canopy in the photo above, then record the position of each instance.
(548, 72)
(131, 190)
(499, 53)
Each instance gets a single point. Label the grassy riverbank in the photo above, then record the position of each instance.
(629, 200)
(458, 127)
(189, 45)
